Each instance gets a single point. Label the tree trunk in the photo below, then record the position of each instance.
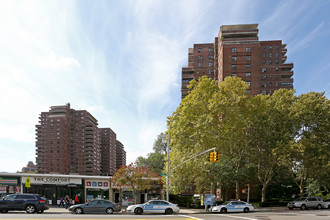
(238, 192)
(301, 190)
(263, 193)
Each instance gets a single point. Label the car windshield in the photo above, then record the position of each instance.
(301, 199)
(326, 200)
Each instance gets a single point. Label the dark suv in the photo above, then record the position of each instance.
(31, 203)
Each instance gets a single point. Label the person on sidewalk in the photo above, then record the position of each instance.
(61, 202)
(76, 199)
(67, 201)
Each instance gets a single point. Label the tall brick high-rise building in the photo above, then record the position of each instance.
(237, 51)
(108, 149)
(121, 155)
(69, 141)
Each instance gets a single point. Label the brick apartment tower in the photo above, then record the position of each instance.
(121, 155)
(237, 51)
(108, 149)
(68, 141)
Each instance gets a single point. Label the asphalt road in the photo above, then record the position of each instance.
(278, 215)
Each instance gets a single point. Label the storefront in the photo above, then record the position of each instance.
(97, 188)
(53, 187)
(9, 185)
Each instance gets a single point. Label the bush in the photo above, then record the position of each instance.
(275, 202)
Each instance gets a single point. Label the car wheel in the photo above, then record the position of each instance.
(168, 211)
(109, 211)
(78, 211)
(290, 208)
(246, 210)
(30, 209)
(303, 207)
(4, 211)
(319, 206)
(138, 211)
(40, 211)
(223, 210)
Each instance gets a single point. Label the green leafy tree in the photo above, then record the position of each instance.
(312, 151)
(191, 131)
(136, 177)
(155, 160)
(272, 134)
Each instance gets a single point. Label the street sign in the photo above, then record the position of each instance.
(162, 174)
(27, 182)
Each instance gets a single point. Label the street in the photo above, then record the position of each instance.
(258, 215)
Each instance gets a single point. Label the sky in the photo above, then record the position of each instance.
(121, 60)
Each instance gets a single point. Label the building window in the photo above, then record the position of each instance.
(263, 92)
(200, 57)
(287, 84)
(210, 64)
(248, 66)
(276, 47)
(210, 57)
(234, 66)
(264, 77)
(248, 91)
(248, 49)
(199, 50)
(276, 76)
(276, 61)
(210, 71)
(264, 62)
(270, 47)
(264, 47)
(210, 49)
(276, 54)
(234, 74)
(234, 58)
(200, 64)
(264, 55)
(270, 62)
(264, 69)
(234, 49)
(248, 82)
(248, 58)
(270, 54)
(276, 69)
(276, 84)
(248, 74)
(197, 72)
(270, 84)
(264, 84)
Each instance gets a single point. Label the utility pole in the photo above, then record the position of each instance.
(168, 171)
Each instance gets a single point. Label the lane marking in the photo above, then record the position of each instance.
(234, 216)
(190, 217)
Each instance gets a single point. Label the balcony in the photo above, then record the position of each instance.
(287, 74)
(286, 66)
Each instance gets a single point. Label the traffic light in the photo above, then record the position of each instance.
(216, 157)
(212, 157)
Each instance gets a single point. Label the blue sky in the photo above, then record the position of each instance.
(121, 60)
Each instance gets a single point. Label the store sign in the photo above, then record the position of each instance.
(97, 184)
(52, 180)
(8, 181)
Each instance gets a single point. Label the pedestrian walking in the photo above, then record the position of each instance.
(67, 201)
(61, 202)
(76, 199)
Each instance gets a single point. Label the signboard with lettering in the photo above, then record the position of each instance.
(97, 184)
(8, 181)
(52, 180)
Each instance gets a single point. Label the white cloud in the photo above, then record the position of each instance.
(54, 63)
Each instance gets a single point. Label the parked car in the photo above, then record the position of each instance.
(154, 206)
(233, 206)
(326, 203)
(96, 206)
(31, 203)
(306, 202)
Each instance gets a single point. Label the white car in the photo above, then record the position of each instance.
(326, 203)
(233, 206)
(154, 206)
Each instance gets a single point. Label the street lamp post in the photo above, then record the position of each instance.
(168, 172)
